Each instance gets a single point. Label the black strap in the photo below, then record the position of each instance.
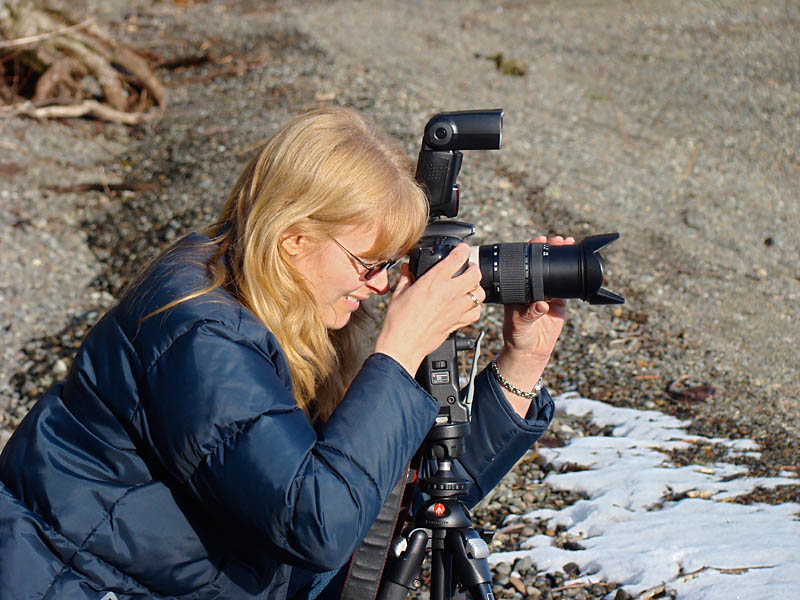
(366, 566)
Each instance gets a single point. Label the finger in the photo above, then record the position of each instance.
(530, 312)
(474, 300)
(541, 308)
(405, 279)
(457, 258)
(453, 262)
(471, 277)
(558, 307)
(471, 314)
(480, 293)
(539, 239)
(561, 241)
(534, 311)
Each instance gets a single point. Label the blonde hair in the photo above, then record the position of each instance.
(326, 170)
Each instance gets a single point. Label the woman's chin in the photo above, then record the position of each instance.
(339, 319)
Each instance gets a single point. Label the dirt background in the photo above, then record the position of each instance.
(676, 124)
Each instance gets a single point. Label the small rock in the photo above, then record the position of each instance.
(516, 582)
(60, 368)
(502, 569)
(571, 569)
(540, 460)
(524, 565)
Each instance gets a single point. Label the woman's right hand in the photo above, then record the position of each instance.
(421, 316)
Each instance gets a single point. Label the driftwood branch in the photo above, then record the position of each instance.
(125, 186)
(87, 107)
(35, 39)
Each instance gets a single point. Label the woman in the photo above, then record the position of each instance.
(221, 433)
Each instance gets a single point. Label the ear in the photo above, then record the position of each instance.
(293, 242)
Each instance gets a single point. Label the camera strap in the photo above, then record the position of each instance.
(366, 566)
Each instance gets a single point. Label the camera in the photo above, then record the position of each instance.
(511, 273)
(517, 272)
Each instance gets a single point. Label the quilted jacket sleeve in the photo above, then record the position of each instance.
(223, 423)
(498, 435)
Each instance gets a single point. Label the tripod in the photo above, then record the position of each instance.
(458, 551)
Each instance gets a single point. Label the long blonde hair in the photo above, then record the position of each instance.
(326, 170)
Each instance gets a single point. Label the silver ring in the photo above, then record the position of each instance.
(475, 301)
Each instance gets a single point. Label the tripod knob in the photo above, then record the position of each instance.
(444, 485)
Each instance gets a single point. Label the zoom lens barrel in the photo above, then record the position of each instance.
(519, 272)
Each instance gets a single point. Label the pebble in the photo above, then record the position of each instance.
(517, 584)
(60, 368)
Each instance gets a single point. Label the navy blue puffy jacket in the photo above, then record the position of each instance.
(174, 462)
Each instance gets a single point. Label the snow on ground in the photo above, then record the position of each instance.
(700, 546)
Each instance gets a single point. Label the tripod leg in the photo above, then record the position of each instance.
(469, 554)
(441, 572)
(441, 566)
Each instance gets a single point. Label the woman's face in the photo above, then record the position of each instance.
(334, 277)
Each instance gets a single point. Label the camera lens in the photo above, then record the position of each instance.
(519, 272)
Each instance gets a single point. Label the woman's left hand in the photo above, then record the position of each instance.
(530, 332)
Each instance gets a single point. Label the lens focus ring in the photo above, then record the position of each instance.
(510, 272)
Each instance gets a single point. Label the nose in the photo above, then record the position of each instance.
(380, 283)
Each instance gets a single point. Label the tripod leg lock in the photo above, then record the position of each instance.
(476, 547)
(402, 571)
(469, 552)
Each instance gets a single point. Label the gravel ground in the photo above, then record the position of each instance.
(676, 125)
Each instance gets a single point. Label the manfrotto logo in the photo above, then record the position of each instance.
(110, 596)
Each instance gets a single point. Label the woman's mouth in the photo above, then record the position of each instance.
(352, 302)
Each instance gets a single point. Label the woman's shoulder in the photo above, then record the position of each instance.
(173, 282)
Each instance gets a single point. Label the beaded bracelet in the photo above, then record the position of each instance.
(513, 389)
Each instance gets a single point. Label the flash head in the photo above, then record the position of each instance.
(445, 135)
(465, 130)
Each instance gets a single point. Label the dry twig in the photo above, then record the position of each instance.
(35, 39)
(87, 107)
(124, 186)
(56, 69)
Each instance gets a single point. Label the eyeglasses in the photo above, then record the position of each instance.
(373, 270)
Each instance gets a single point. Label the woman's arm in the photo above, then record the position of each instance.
(224, 426)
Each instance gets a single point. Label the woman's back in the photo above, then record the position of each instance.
(147, 465)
